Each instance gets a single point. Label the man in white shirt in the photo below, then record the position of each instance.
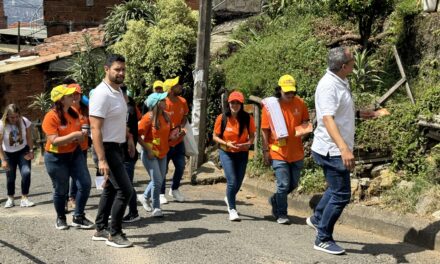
(332, 146)
(108, 112)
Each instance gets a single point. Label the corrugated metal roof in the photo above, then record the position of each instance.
(39, 33)
(32, 61)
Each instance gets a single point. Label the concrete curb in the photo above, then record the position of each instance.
(404, 228)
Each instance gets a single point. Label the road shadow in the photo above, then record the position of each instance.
(398, 251)
(294, 220)
(220, 203)
(182, 234)
(22, 252)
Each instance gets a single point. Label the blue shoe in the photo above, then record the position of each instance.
(312, 223)
(273, 203)
(328, 247)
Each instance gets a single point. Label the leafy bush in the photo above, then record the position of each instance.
(117, 22)
(277, 8)
(159, 51)
(255, 70)
(365, 75)
(41, 102)
(87, 68)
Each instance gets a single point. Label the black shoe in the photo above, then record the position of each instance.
(131, 218)
(82, 222)
(101, 235)
(61, 223)
(273, 203)
(118, 241)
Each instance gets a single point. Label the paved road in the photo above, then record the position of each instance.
(193, 232)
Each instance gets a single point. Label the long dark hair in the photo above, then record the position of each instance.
(242, 116)
(83, 108)
(58, 108)
(155, 116)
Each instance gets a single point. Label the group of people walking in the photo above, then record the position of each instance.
(111, 120)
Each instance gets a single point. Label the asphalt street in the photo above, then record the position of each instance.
(197, 231)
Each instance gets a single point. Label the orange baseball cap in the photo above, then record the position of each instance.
(236, 96)
(76, 86)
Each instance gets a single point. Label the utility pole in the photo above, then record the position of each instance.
(200, 76)
(18, 38)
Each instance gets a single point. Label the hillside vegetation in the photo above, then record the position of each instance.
(294, 36)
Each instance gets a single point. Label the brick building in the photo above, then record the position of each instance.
(63, 16)
(37, 70)
(3, 18)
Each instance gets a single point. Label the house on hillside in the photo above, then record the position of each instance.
(39, 69)
(63, 16)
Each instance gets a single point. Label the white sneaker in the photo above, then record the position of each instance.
(283, 220)
(177, 195)
(26, 203)
(163, 199)
(145, 203)
(157, 212)
(233, 215)
(9, 203)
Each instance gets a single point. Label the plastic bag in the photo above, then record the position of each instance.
(191, 148)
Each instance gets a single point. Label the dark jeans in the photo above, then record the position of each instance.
(335, 198)
(287, 175)
(60, 167)
(73, 189)
(129, 168)
(116, 194)
(177, 155)
(17, 159)
(234, 165)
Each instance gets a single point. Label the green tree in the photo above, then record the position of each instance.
(87, 68)
(116, 23)
(364, 12)
(162, 50)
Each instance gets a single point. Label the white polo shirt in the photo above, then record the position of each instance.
(108, 103)
(333, 97)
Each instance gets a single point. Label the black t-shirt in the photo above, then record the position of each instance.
(132, 124)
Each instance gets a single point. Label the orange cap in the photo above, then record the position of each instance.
(76, 86)
(237, 96)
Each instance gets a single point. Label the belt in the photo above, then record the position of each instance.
(113, 144)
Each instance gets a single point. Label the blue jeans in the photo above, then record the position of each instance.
(60, 167)
(73, 189)
(335, 198)
(234, 165)
(287, 175)
(177, 155)
(156, 169)
(129, 168)
(17, 159)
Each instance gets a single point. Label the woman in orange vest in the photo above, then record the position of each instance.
(284, 154)
(234, 130)
(64, 158)
(154, 136)
(83, 111)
